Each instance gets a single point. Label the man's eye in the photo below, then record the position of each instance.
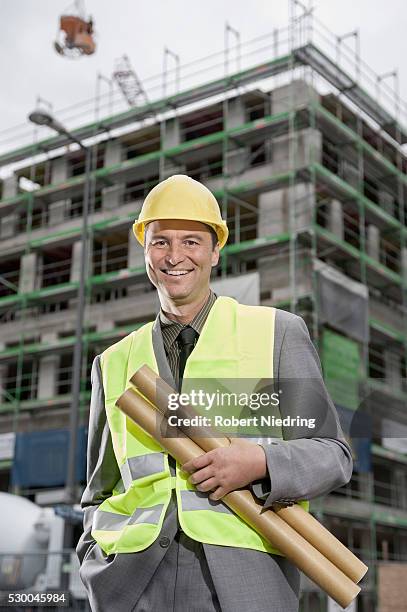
(159, 242)
(190, 242)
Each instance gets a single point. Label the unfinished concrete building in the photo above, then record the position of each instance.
(309, 170)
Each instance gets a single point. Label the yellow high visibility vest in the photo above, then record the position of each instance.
(236, 341)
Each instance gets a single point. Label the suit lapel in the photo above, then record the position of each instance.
(164, 369)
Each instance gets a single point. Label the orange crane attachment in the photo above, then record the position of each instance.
(75, 34)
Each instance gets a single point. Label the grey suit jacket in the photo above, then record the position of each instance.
(303, 465)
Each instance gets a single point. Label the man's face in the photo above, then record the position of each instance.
(179, 257)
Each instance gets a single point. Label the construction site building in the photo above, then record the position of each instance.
(309, 170)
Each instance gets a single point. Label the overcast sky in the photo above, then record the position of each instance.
(29, 66)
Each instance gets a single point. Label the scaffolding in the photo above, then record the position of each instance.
(303, 146)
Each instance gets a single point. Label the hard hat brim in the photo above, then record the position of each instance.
(222, 231)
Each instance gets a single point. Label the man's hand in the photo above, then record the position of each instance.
(226, 469)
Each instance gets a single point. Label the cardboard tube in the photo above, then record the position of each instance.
(283, 537)
(323, 540)
(156, 390)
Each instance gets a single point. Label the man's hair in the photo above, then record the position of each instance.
(214, 235)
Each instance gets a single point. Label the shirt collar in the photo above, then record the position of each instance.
(170, 329)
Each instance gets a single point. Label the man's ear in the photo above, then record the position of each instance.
(215, 255)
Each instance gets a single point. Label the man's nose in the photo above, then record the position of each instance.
(175, 254)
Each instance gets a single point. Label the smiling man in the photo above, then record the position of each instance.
(179, 257)
(156, 534)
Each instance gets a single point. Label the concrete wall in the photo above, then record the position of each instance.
(135, 252)
(275, 275)
(373, 242)
(59, 170)
(28, 273)
(297, 150)
(113, 153)
(170, 134)
(112, 197)
(8, 226)
(335, 219)
(9, 187)
(237, 155)
(273, 212)
(293, 95)
(274, 209)
(350, 173)
(76, 261)
(386, 201)
(392, 369)
(47, 376)
(57, 211)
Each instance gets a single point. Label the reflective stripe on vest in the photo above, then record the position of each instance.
(139, 467)
(236, 341)
(110, 521)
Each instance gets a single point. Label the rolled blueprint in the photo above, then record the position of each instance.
(156, 390)
(266, 522)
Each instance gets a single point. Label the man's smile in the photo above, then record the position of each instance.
(176, 272)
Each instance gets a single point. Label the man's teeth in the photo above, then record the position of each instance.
(176, 272)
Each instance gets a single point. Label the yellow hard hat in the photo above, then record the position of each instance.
(181, 197)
